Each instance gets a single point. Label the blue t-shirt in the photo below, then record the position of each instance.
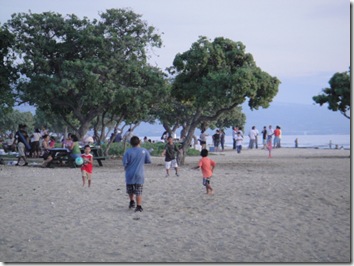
(133, 161)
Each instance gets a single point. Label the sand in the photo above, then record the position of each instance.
(294, 207)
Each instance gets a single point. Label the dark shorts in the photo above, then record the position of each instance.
(206, 181)
(202, 142)
(136, 189)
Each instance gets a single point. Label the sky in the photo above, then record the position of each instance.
(301, 42)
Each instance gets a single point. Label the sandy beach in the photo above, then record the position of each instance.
(293, 207)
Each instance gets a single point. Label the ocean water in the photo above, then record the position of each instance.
(288, 141)
(305, 141)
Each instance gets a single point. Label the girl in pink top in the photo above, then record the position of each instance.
(207, 166)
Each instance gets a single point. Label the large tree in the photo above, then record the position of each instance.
(8, 74)
(337, 95)
(216, 77)
(79, 68)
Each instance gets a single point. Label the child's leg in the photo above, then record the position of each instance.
(210, 189)
(89, 178)
(139, 200)
(83, 179)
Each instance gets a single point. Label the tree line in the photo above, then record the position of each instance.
(85, 74)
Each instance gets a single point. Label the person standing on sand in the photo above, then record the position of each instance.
(264, 135)
(207, 166)
(22, 140)
(239, 140)
(133, 161)
(170, 156)
(87, 166)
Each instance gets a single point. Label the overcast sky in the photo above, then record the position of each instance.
(301, 42)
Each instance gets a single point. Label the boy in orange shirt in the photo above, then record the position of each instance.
(207, 166)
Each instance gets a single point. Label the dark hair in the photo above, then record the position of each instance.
(74, 138)
(134, 141)
(204, 153)
(45, 135)
(87, 146)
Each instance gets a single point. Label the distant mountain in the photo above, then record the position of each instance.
(299, 119)
(294, 119)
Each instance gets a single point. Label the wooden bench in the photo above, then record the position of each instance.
(63, 155)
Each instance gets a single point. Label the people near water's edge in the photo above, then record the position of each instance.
(222, 139)
(202, 139)
(133, 161)
(252, 135)
(239, 140)
(264, 137)
(216, 140)
(170, 156)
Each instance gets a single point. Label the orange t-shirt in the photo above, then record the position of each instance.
(207, 165)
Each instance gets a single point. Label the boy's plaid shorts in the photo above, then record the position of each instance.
(136, 189)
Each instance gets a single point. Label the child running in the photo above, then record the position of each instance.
(86, 168)
(207, 166)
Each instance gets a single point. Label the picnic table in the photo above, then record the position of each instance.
(63, 155)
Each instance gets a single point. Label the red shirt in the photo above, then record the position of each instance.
(277, 132)
(87, 166)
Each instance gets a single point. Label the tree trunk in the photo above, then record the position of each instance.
(187, 141)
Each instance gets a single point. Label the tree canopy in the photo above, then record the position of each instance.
(213, 78)
(83, 69)
(8, 74)
(337, 95)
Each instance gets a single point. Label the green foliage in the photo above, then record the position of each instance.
(214, 78)
(10, 121)
(77, 69)
(156, 149)
(8, 74)
(337, 96)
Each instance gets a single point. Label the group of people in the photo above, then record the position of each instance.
(38, 145)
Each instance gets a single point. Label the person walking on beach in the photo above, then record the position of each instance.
(133, 161)
(87, 166)
(22, 141)
(270, 133)
(207, 166)
(170, 156)
(202, 139)
(222, 139)
(239, 140)
(264, 135)
(216, 140)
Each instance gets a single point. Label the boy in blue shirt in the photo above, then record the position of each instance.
(133, 161)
